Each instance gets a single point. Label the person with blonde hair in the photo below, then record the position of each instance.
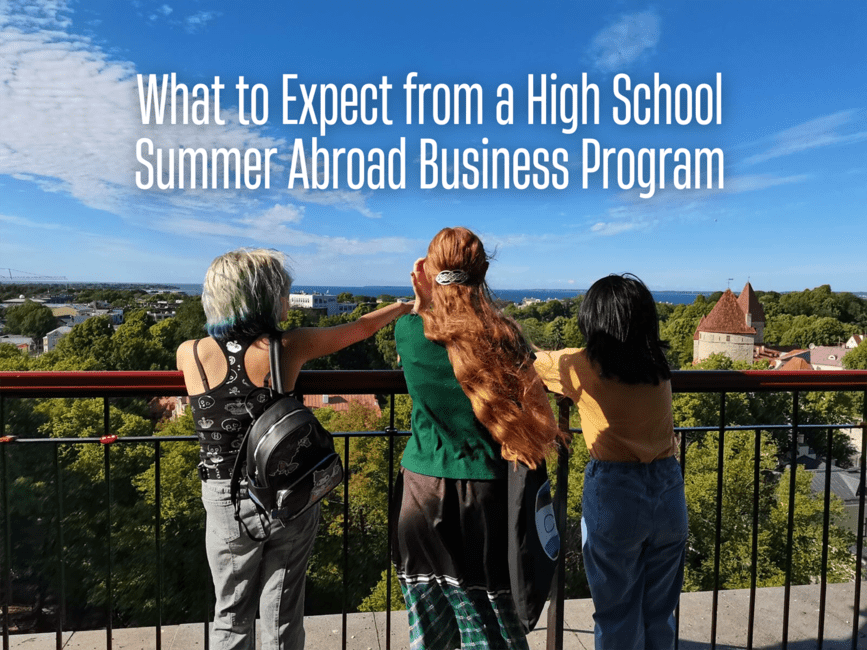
(245, 297)
(477, 404)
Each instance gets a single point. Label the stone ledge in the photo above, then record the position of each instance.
(367, 631)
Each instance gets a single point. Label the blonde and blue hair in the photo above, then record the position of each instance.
(244, 292)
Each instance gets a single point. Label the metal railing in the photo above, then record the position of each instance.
(109, 385)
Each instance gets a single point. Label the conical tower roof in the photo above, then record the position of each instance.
(749, 304)
(726, 317)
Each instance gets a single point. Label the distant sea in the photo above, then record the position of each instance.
(512, 295)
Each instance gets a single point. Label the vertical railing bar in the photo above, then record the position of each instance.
(791, 519)
(158, 523)
(826, 525)
(107, 461)
(683, 436)
(859, 547)
(554, 640)
(718, 525)
(391, 432)
(754, 557)
(7, 531)
(345, 539)
(61, 569)
(209, 600)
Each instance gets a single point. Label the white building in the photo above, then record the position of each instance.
(49, 342)
(320, 301)
(855, 340)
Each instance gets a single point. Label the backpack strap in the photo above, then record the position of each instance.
(274, 350)
(199, 366)
(235, 490)
(275, 347)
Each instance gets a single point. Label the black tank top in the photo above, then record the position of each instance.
(220, 415)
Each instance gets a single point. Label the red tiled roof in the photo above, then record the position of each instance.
(341, 402)
(749, 304)
(726, 317)
(796, 363)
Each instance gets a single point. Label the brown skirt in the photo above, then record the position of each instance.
(452, 531)
(451, 557)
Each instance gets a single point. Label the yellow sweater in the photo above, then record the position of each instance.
(621, 422)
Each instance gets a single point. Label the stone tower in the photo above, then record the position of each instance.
(752, 308)
(725, 330)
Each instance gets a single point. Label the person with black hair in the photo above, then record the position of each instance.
(634, 520)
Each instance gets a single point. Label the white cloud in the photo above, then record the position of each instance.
(71, 119)
(340, 199)
(751, 183)
(199, 20)
(624, 42)
(279, 215)
(606, 229)
(22, 222)
(835, 129)
(271, 228)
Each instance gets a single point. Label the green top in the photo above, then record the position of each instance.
(447, 440)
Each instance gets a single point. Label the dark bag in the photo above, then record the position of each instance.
(287, 457)
(534, 542)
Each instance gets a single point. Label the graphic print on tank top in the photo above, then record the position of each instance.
(220, 413)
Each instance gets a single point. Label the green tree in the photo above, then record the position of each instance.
(190, 319)
(402, 413)
(186, 579)
(386, 345)
(87, 508)
(90, 339)
(679, 330)
(12, 359)
(167, 335)
(534, 332)
(563, 332)
(133, 346)
(31, 319)
(736, 526)
(801, 331)
(703, 409)
(856, 359)
(369, 477)
(295, 318)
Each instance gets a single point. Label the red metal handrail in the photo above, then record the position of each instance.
(118, 383)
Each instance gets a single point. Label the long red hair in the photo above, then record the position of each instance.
(492, 361)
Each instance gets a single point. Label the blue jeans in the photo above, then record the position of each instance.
(634, 530)
(269, 575)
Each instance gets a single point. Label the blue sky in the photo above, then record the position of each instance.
(793, 133)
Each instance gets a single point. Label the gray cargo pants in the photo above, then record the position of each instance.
(269, 575)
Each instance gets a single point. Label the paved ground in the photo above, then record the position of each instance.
(368, 631)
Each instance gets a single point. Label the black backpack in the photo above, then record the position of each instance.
(533, 540)
(286, 457)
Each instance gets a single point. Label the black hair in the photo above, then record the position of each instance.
(619, 322)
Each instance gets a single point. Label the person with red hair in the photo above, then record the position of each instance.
(478, 405)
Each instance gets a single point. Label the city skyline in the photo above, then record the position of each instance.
(783, 92)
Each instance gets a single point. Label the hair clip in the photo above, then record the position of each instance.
(452, 277)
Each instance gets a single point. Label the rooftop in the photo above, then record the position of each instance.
(749, 304)
(726, 317)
